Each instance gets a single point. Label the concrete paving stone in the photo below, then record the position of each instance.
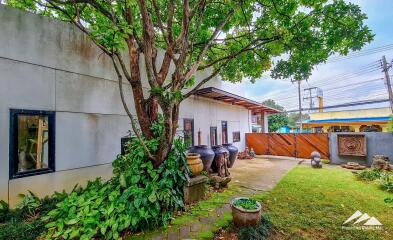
(226, 207)
(185, 232)
(195, 227)
(159, 237)
(174, 235)
(204, 220)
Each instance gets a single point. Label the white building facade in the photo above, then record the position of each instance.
(55, 82)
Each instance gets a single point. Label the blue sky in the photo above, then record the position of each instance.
(380, 16)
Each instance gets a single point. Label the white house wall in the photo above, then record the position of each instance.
(208, 113)
(50, 65)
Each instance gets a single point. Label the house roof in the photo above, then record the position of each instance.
(349, 120)
(230, 98)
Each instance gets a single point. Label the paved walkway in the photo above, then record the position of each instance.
(260, 174)
(253, 176)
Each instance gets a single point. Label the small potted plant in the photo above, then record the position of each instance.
(246, 212)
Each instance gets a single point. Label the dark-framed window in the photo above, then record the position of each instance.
(236, 136)
(32, 142)
(224, 132)
(213, 136)
(188, 130)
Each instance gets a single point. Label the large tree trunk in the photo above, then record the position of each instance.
(147, 109)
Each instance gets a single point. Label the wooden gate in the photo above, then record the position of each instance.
(289, 144)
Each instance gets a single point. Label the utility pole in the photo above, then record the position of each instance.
(310, 97)
(314, 92)
(385, 67)
(300, 106)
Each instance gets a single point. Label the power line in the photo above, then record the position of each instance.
(374, 66)
(365, 102)
(350, 84)
(361, 53)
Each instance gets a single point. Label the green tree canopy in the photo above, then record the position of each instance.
(236, 39)
(294, 119)
(276, 121)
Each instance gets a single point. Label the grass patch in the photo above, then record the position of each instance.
(206, 207)
(201, 209)
(313, 203)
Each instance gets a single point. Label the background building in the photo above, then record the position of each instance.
(362, 120)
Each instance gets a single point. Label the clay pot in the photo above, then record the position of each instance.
(218, 150)
(206, 155)
(194, 163)
(243, 217)
(232, 153)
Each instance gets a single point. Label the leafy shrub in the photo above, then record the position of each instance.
(260, 232)
(4, 211)
(21, 230)
(325, 161)
(246, 203)
(24, 221)
(386, 182)
(138, 197)
(369, 174)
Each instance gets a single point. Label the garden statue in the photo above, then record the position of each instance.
(381, 162)
(222, 165)
(252, 153)
(247, 154)
(316, 159)
(221, 179)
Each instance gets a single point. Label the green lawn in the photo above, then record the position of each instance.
(313, 203)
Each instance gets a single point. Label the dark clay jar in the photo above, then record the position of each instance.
(218, 150)
(206, 154)
(232, 153)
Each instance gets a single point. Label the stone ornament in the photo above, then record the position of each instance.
(352, 145)
(316, 159)
(381, 162)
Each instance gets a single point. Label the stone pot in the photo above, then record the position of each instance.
(218, 150)
(194, 163)
(243, 217)
(206, 155)
(232, 153)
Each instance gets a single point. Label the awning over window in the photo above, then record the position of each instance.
(230, 98)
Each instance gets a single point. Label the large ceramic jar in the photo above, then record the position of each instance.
(232, 153)
(206, 155)
(194, 163)
(218, 150)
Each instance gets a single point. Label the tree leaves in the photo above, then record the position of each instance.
(138, 197)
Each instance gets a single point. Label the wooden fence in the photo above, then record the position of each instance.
(289, 144)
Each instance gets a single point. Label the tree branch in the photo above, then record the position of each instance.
(77, 24)
(248, 47)
(218, 29)
(133, 124)
(205, 80)
(148, 47)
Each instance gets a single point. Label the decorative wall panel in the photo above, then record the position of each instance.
(352, 145)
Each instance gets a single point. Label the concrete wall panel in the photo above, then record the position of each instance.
(46, 184)
(27, 86)
(55, 44)
(88, 139)
(28, 37)
(80, 93)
